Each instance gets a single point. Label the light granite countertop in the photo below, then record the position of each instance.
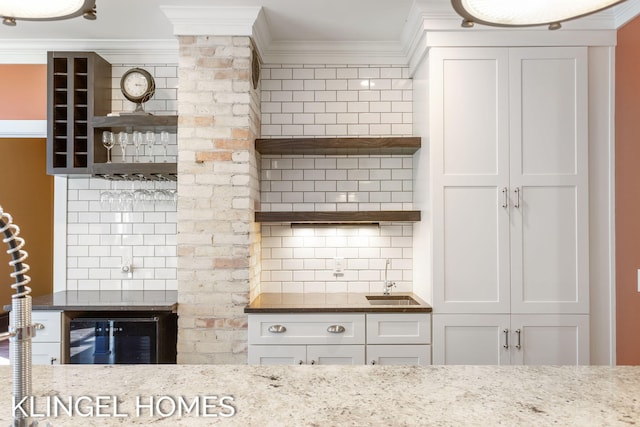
(339, 395)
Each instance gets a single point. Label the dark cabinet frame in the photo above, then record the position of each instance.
(78, 88)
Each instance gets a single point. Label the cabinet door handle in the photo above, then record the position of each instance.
(277, 329)
(300, 362)
(506, 338)
(38, 326)
(53, 359)
(336, 329)
(313, 362)
(505, 194)
(373, 362)
(518, 335)
(517, 191)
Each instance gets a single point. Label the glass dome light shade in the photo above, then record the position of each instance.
(526, 13)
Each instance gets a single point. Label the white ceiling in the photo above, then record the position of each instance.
(299, 31)
(288, 20)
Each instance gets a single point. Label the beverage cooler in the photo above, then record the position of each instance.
(123, 340)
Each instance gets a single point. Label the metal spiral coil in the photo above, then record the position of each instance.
(16, 243)
(21, 328)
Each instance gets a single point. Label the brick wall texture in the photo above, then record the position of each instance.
(218, 242)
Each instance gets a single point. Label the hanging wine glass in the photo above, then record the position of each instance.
(164, 139)
(123, 140)
(150, 139)
(108, 142)
(137, 140)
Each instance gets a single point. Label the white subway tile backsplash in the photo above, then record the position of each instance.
(369, 95)
(291, 107)
(327, 100)
(337, 89)
(303, 73)
(347, 73)
(347, 96)
(302, 96)
(364, 250)
(101, 237)
(278, 73)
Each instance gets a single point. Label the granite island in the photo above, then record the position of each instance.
(337, 395)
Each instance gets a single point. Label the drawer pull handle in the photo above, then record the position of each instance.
(277, 329)
(38, 326)
(336, 329)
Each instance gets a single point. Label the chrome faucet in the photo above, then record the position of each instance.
(387, 284)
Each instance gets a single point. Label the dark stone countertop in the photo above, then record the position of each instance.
(106, 301)
(330, 303)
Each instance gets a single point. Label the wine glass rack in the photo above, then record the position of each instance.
(79, 87)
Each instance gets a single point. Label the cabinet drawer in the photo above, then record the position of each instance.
(277, 354)
(307, 328)
(46, 353)
(52, 322)
(335, 354)
(399, 328)
(412, 354)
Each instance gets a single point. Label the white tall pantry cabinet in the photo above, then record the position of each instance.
(510, 205)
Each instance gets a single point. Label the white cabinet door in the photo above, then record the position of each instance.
(47, 344)
(277, 354)
(550, 339)
(398, 328)
(549, 237)
(470, 163)
(510, 190)
(51, 322)
(396, 354)
(471, 339)
(335, 354)
(301, 354)
(46, 353)
(536, 339)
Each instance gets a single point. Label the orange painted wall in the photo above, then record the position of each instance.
(26, 191)
(23, 92)
(627, 125)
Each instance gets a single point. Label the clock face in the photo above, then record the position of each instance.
(137, 85)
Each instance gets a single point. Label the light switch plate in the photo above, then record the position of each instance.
(338, 266)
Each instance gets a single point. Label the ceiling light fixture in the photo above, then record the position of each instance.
(526, 13)
(45, 10)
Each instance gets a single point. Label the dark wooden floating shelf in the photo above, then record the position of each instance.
(136, 171)
(339, 146)
(338, 217)
(141, 122)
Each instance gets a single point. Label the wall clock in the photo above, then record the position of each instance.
(138, 86)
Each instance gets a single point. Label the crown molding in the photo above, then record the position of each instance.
(261, 34)
(211, 20)
(34, 51)
(434, 23)
(429, 23)
(23, 128)
(625, 12)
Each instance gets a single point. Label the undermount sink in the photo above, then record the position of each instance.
(391, 300)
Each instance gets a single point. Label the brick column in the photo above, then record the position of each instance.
(218, 241)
